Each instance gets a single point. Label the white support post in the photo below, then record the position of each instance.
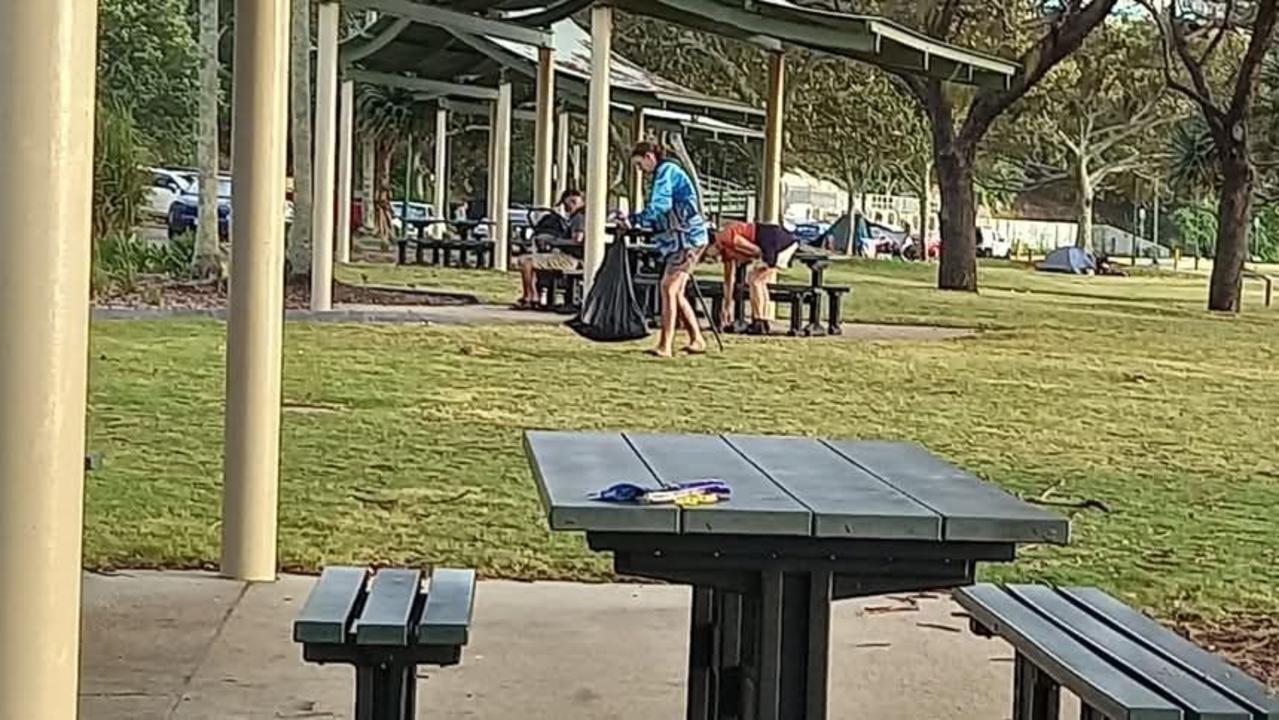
(441, 199)
(254, 329)
(326, 96)
(597, 141)
(771, 205)
(561, 153)
(501, 171)
(346, 156)
(543, 179)
(47, 72)
(637, 176)
(490, 176)
(576, 162)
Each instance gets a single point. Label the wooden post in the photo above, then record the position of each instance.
(543, 179)
(771, 209)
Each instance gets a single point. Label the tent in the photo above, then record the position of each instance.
(1074, 260)
(834, 237)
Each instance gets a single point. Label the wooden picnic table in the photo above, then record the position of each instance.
(809, 522)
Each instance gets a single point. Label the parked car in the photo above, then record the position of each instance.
(417, 211)
(992, 244)
(809, 231)
(184, 212)
(166, 186)
(888, 240)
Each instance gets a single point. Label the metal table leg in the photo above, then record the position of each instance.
(793, 630)
(700, 656)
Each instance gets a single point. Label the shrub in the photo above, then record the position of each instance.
(119, 184)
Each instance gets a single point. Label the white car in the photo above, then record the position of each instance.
(992, 244)
(166, 186)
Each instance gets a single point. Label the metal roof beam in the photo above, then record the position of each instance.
(375, 43)
(457, 21)
(471, 108)
(422, 85)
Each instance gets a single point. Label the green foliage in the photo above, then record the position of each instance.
(853, 125)
(148, 63)
(119, 185)
(120, 259)
(1098, 116)
(1197, 227)
(389, 115)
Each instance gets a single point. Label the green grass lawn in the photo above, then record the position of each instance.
(402, 444)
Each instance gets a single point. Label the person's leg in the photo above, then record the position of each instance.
(758, 292)
(528, 275)
(696, 342)
(670, 292)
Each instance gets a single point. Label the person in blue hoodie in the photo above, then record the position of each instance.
(679, 231)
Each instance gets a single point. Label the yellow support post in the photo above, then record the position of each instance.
(47, 70)
(252, 465)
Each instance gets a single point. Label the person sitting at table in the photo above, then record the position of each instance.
(565, 222)
(773, 246)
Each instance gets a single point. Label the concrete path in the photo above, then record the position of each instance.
(190, 646)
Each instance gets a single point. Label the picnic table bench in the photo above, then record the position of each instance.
(1121, 664)
(442, 249)
(809, 522)
(385, 629)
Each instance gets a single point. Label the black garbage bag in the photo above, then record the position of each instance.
(610, 312)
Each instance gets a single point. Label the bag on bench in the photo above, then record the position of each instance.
(611, 313)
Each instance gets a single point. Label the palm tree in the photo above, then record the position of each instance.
(390, 117)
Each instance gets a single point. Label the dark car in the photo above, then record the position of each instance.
(185, 210)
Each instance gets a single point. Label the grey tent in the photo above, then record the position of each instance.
(1074, 260)
(836, 236)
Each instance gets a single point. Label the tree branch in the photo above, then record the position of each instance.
(1263, 29)
(1063, 37)
(1221, 31)
(1166, 42)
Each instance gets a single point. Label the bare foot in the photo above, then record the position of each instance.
(696, 348)
(658, 352)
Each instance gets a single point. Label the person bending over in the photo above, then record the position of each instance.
(680, 234)
(565, 222)
(735, 244)
(776, 249)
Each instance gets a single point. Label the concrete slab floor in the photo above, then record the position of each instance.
(188, 646)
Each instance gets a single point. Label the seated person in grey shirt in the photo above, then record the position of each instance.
(566, 222)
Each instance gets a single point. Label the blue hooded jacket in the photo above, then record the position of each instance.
(672, 211)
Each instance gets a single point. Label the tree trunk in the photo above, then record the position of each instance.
(850, 185)
(382, 193)
(298, 254)
(1233, 213)
(1086, 195)
(958, 269)
(925, 191)
(207, 259)
(368, 168)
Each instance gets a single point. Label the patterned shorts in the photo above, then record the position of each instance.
(681, 261)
